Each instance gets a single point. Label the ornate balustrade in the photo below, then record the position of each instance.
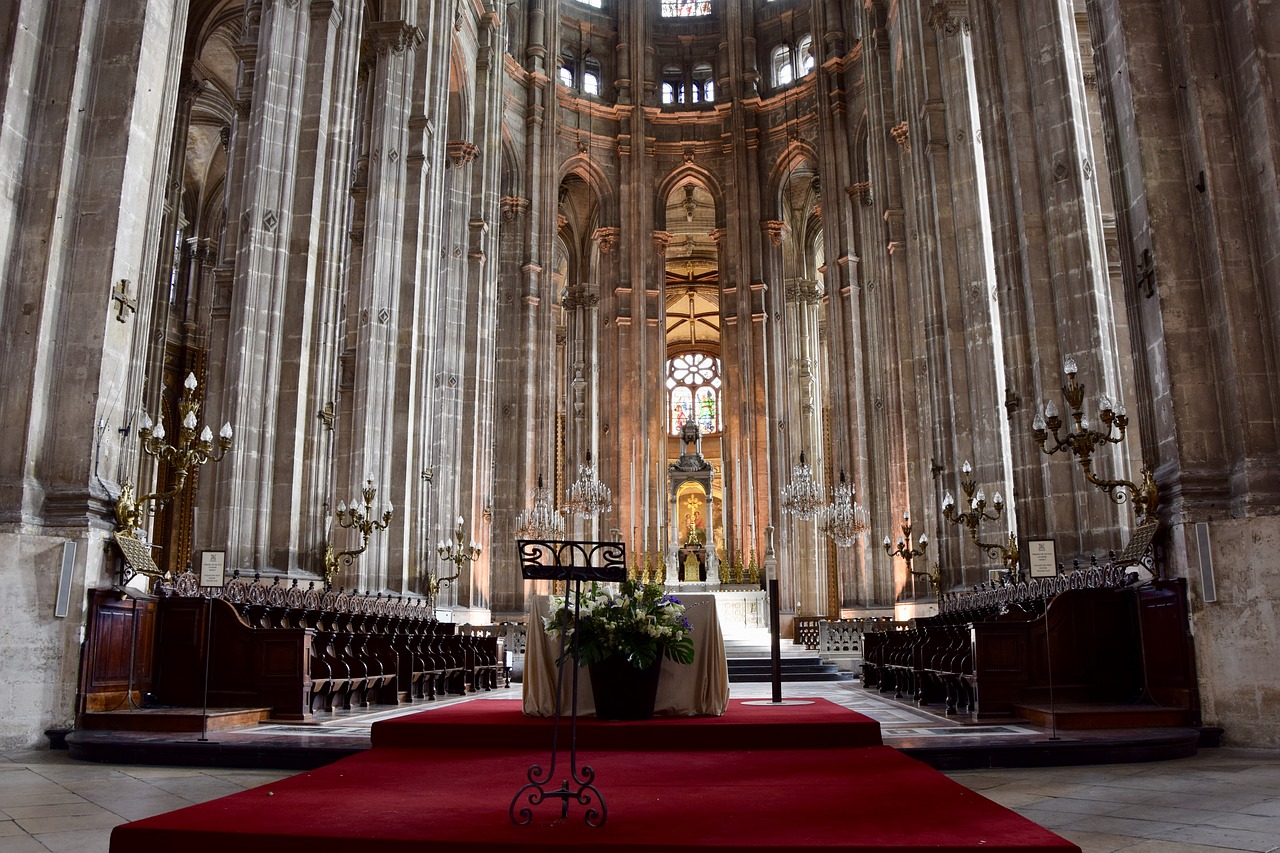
(1108, 576)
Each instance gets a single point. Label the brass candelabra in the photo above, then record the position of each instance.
(977, 513)
(909, 553)
(459, 552)
(354, 518)
(1083, 441)
(190, 452)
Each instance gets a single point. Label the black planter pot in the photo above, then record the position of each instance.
(623, 692)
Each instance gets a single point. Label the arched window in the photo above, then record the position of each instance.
(703, 86)
(672, 85)
(591, 77)
(693, 392)
(780, 62)
(685, 8)
(805, 55)
(566, 76)
(681, 408)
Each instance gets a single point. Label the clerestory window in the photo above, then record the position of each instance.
(685, 85)
(787, 64)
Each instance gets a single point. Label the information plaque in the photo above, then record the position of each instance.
(1042, 558)
(213, 565)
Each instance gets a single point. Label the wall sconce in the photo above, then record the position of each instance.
(354, 518)
(908, 553)
(1084, 440)
(976, 514)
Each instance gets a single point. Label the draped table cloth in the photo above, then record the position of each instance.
(684, 690)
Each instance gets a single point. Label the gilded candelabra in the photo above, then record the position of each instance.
(908, 552)
(191, 451)
(1083, 441)
(459, 552)
(355, 518)
(976, 514)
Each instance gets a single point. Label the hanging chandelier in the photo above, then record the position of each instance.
(802, 497)
(588, 497)
(541, 521)
(843, 520)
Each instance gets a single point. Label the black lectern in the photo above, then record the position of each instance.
(572, 562)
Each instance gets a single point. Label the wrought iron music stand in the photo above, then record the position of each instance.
(570, 562)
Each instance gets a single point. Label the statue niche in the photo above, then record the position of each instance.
(690, 483)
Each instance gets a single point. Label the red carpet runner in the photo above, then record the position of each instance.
(730, 787)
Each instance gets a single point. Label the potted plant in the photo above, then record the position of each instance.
(622, 638)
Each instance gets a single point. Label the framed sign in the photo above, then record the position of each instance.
(212, 568)
(1042, 558)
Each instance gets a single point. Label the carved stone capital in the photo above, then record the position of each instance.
(388, 37)
(608, 238)
(190, 89)
(804, 292)
(661, 240)
(901, 133)
(861, 192)
(460, 152)
(950, 16)
(513, 207)
(776, 229)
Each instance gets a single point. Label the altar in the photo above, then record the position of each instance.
(697, 689)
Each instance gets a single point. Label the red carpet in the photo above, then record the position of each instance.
(454, 797)
(499, 724)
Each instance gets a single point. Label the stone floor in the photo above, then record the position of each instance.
(1220, 799)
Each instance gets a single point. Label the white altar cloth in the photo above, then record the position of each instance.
(684, 690)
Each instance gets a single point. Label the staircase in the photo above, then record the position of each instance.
(750, 659)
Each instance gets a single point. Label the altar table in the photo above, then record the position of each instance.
(684, 690)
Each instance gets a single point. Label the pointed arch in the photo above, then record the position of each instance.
(590, 173)
(680, 176)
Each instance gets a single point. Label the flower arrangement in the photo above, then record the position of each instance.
(639, 622)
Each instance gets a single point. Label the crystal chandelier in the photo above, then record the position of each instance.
(541, 521)
(588, 497)
(802, 497)
(843, 519)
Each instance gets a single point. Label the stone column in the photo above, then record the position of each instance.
(713, 559)
(377, 321)
(1193, 141)
(90, 90)
(264, 227)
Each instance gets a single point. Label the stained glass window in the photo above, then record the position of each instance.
(693, 388)
(685, 8)
(681, 407)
